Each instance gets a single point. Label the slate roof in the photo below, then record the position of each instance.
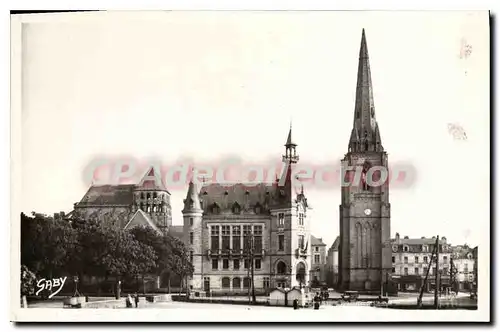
(246, 196)
(109, 195)
(317, 242)
(420, 241)
(336, 243)
(151, 184)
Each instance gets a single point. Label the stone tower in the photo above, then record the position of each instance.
(290, 229)
(153, 198)
(364, 251)
(193, 230)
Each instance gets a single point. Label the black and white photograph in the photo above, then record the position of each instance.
(250, 166)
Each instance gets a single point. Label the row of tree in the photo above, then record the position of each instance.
(51, 248)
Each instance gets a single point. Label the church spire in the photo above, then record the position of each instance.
(365, 134)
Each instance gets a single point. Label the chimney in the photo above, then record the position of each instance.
(397, 238)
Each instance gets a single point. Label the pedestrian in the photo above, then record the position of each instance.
(129, 301)
(136, 298)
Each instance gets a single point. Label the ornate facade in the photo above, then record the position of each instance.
(225, 226)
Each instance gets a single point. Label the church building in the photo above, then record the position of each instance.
(365, 243)
(128, 205)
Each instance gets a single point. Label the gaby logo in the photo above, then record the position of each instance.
(44, 284)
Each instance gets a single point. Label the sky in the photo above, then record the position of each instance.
(204, 85)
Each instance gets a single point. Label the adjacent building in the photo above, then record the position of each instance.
(127, 205)
(318, 264)
(332, 264)
(229, 227)
(364, 251)
(411, 259)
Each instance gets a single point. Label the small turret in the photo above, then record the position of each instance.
(192, 202)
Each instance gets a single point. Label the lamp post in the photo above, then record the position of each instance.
(77, 293)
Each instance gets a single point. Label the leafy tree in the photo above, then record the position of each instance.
(172, 254)
(28, 280)
(46, 244)
(105, 251)
(180, 261)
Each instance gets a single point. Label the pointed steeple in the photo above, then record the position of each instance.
(290, 151)
(192, 201)
(365, 128)
(289, 142)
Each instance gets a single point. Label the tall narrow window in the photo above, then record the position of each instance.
(406, 260)
(215, 237)
(281, 219)
(191, 257)
(301, 219)
(236, 237)
(257, 230)
(215, 264)
(225, 264)
(266, 282)
(247, 231)
(190, 237)
(226, 237)
(257, 264)
(281, 242)
(416, 259)
(236, 264)
(190, 221)
(406, 271)
(301, 242)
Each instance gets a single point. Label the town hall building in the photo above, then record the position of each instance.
(233, 229)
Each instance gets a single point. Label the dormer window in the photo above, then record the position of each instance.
(215, 209)
(425, 248)
(258, 208)
(406, 248)
(394, 248)
(236, 208)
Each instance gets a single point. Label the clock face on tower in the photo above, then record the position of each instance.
(368, 212)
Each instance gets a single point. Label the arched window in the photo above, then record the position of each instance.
(226, 283)
(281, 268)
(405, 248)
(301, 272)
(236, 283)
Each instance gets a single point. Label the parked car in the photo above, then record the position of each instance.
(350, 296)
